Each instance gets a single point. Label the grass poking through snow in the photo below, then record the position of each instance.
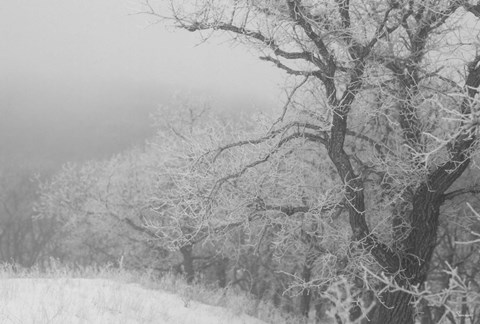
(106, 295)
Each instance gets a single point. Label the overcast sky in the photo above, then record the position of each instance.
(80, 57)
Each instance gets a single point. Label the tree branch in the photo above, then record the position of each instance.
(312, 137)
(321, 137)
(287, 103)
(444, 176)
(470, 190)
(288, 69)
(297, 15)
(270, 42)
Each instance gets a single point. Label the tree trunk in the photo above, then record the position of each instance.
(307, 293)
(408, 262)
(306, 298)
(221, 271)
(320, 311)
(396, 308)
(464, 314)
(188, 268)
(425, 315)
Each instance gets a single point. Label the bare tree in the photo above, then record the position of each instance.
(129, 207)
(23, 238)
(387, 89)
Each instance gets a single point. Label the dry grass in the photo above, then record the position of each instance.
(64, 294)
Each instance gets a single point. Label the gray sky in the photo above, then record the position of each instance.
(78, 58)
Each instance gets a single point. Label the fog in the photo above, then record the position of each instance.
(79, 78)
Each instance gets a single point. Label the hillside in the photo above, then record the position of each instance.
(73, 300)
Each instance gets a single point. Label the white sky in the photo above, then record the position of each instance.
(92, 44)
(75, 59)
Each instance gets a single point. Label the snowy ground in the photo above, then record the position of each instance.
(90, 301)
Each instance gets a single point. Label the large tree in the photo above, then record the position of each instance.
(388, 89)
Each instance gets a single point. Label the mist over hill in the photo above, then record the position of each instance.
(65, 123)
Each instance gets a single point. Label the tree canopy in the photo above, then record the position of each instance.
(356, 187)
(387, 90)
